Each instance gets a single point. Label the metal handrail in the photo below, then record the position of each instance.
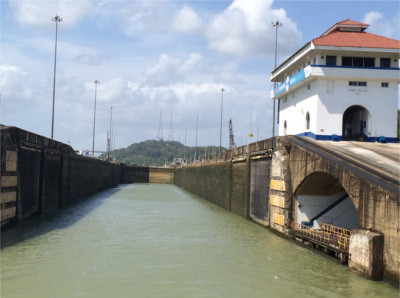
(328, 234)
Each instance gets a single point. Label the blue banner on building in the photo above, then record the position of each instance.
(281, 88)
(297, 78)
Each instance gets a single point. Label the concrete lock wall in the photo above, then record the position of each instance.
(135, 174)
(38, 175)
(161, 175)
(238, 182)
(211, 182)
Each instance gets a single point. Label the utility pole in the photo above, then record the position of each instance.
(94, 117)
(276, 25)
(56, 19)
(220, 127)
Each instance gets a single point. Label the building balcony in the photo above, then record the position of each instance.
(333, 72)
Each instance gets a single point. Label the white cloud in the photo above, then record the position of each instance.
(186, 20)
(190, 64)
(169, 69)
(381, 25)
(244, 28)
(39, 13)
(13, 82)
(89, 59)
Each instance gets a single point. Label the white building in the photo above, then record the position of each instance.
(342, 85)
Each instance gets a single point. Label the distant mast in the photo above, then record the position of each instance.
(160, 129)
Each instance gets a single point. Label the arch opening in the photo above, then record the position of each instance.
(320, 198)
(355, 123)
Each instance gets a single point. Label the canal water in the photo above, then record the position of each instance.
(146, 240)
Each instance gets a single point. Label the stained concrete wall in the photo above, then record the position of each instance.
(238, 182)
(135, 174)
(47, 174)
(161, 175)
(210, 181)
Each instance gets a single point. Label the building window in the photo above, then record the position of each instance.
(331, 60)
(358, 61)
(355, 83)
(385, 84)
(347, 61)
(307, 121)
(385, 63)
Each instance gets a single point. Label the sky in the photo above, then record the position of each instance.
(158, 57)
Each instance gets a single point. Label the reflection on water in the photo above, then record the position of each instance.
(146, 240)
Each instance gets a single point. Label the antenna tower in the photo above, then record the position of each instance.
(171, 131)
(231, 137)
(160, 131)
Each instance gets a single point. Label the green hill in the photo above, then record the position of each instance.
(158, 153)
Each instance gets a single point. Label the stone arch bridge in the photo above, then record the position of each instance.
(352, 185)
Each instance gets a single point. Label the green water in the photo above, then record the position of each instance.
(144, 240)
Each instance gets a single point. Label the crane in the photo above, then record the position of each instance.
(231, 137)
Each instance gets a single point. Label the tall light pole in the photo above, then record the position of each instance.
(111, 130)
(195, 148)
(109, 138)
(220, 127)
(276, 25)
(94, 117)
(56, 19)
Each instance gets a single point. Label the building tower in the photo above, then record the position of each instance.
(231, 137)
(342, 85)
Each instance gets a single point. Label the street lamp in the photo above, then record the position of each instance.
(220, 127)
(56, 19)
(94, 117)
(195, 148)
(110, 139)
(276, 25)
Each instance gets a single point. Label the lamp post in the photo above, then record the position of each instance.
(220, 127)
(56, 19)
(94, 117)
(276, 25)
(109, 142)
(195, 148)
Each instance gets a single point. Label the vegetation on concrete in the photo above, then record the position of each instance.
(160, 153)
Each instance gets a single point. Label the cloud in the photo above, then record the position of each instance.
(381, 25)
(39, 13)
(89, 59)
(244, 29)
(135, 16)
(13, 82)
(186, 20)
(169, 69)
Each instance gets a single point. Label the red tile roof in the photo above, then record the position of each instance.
(356, 39)
(350, 33)
(351, 22)
(348, 25)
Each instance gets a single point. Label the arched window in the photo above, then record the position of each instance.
(285, 128)
(307, 121)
